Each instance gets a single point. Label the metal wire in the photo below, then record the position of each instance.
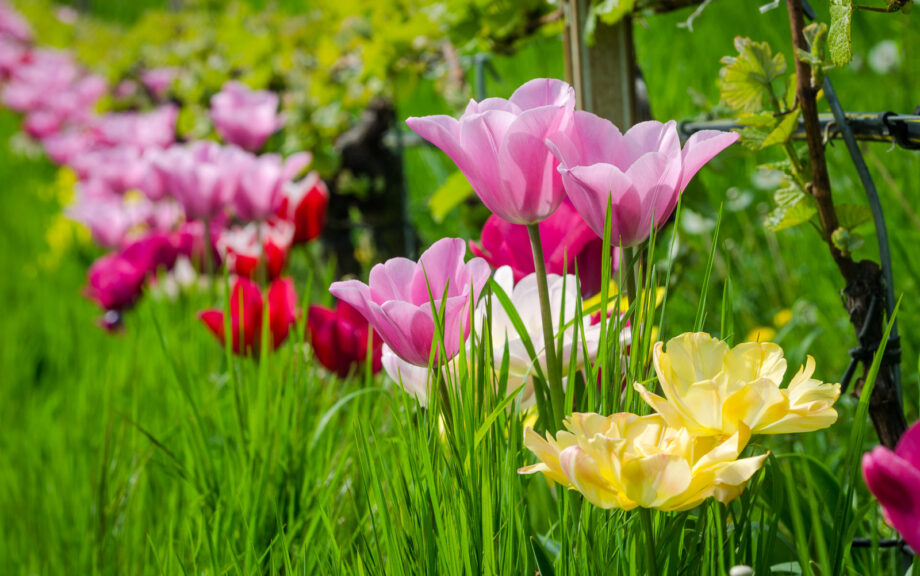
(900, 129)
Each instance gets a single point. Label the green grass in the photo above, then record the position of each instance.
(151, 452)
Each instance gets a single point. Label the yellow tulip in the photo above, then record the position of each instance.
(625, 461)
(712, 390)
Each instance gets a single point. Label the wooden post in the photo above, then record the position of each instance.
(604, 73)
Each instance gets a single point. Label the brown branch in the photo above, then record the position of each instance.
(863, 279)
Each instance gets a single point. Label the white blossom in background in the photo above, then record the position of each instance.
(885, 57)
(412, 378)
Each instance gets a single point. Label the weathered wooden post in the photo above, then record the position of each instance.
(604, 72)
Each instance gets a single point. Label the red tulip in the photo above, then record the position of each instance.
(246, 311)
(304, 203)
(339, 339)
(244, 248)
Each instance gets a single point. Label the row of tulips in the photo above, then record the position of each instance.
(553, 178)
(149, 199)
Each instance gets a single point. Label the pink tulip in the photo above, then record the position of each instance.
(159, 80)
(119, 168)
(262, 181)
(894, 478)
(245, 117)
(203, 176)
(499, 146)
(62, 147)
(396, 300)
(45, 73)
(13, 25)
(109, 219)
(143, 130)
(12, 55)
(642, 173)
(565, 237)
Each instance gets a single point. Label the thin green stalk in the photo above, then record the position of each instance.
(556, 393)
(645, 515)
(628, 257)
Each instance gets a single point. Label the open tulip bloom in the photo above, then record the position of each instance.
(713, 390)
(498, 145)
(245, 117)
(641, 174)
(894, 478)
(397, 300)
(624, 461)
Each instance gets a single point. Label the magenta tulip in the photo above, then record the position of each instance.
(894, 479)
(565, 237)
(499, 146)
(642, 173)
(12, 55)
(397, 304)
(262, 181)
(245, 117)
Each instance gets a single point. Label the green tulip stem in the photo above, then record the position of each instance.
(557, 396)
(645, 515)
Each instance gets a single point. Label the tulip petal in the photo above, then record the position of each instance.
(894, 483)
(700, 148)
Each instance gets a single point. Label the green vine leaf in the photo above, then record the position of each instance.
(794, 207)
(839, 43)
(746, 79)
(847, 241)
(852, 215)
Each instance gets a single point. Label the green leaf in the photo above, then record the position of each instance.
(793, 208)
(838, 37)
(784, 129)
(847, 241)
(852, 215)
(746, 79)
(451, 194)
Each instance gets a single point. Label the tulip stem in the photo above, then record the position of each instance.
(557, 395)
(629, 258)
(645, 515)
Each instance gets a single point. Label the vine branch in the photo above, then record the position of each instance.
(864, 278)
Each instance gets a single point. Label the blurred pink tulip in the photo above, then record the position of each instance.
(245, 117)
(202, 176)
(159, 80)
(642, 172)
(262, 181)
(396, 299)
(13, 25)
(120, 168)
(62, 147)
(894, 479)
(143, 130)
(499, 146)
(109, 219)
(566, 238)
(12, 55)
